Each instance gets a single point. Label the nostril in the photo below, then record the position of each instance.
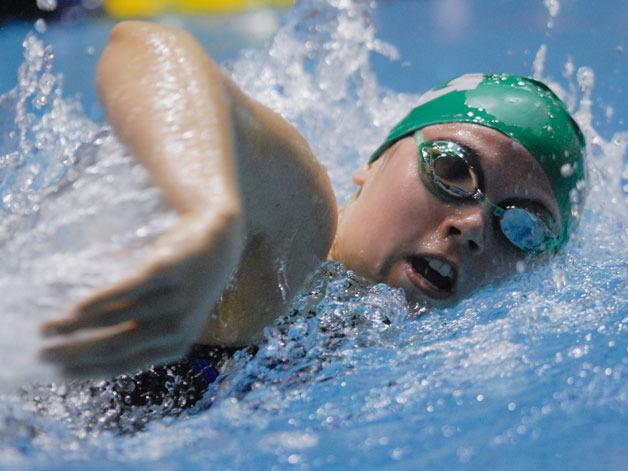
(473, 246)
(453, 231)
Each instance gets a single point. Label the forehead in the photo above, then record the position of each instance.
(509, 169)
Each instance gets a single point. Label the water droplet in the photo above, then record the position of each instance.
(41, 26)
(47, 5)
(586, 79)
(40, 102)
(566, 170)
(573, 196)
(568, 69)
(609, 112)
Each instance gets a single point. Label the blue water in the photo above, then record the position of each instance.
(528, 374)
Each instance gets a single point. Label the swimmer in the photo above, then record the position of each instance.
(485, 173)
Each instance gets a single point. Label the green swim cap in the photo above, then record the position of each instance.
(525, 110)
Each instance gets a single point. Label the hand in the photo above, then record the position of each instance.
(154, 316)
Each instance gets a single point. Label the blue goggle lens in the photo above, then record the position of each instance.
(524, 229)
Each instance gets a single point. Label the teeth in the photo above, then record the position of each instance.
(443, 268)
(435, 264)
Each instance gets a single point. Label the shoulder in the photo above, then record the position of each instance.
(285, 189)
(291, 215)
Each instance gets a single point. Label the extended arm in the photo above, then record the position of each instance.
(251, 196)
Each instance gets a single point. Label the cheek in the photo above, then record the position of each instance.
(361, 236)
(391, 208)
(380, 223)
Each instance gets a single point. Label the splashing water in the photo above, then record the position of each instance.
(74, 208)
(553, 7)
(525, 374)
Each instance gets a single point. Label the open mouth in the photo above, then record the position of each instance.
(439, 274)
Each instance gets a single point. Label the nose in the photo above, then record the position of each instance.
(466, 227)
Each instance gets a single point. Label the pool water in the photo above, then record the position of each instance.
(526, 374)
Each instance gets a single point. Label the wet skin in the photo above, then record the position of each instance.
(395, 220)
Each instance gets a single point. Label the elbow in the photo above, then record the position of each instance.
(148, 35)
(132, 50)
(125, 29)
(115, 51)
(136, 30)
(143, 45)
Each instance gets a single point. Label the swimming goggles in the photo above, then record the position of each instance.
(450, 172)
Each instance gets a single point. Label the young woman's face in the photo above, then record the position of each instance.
(396, 226)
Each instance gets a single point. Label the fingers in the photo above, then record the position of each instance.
(112, 347)
(130, 289)
(152, 305)
(150, 318)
